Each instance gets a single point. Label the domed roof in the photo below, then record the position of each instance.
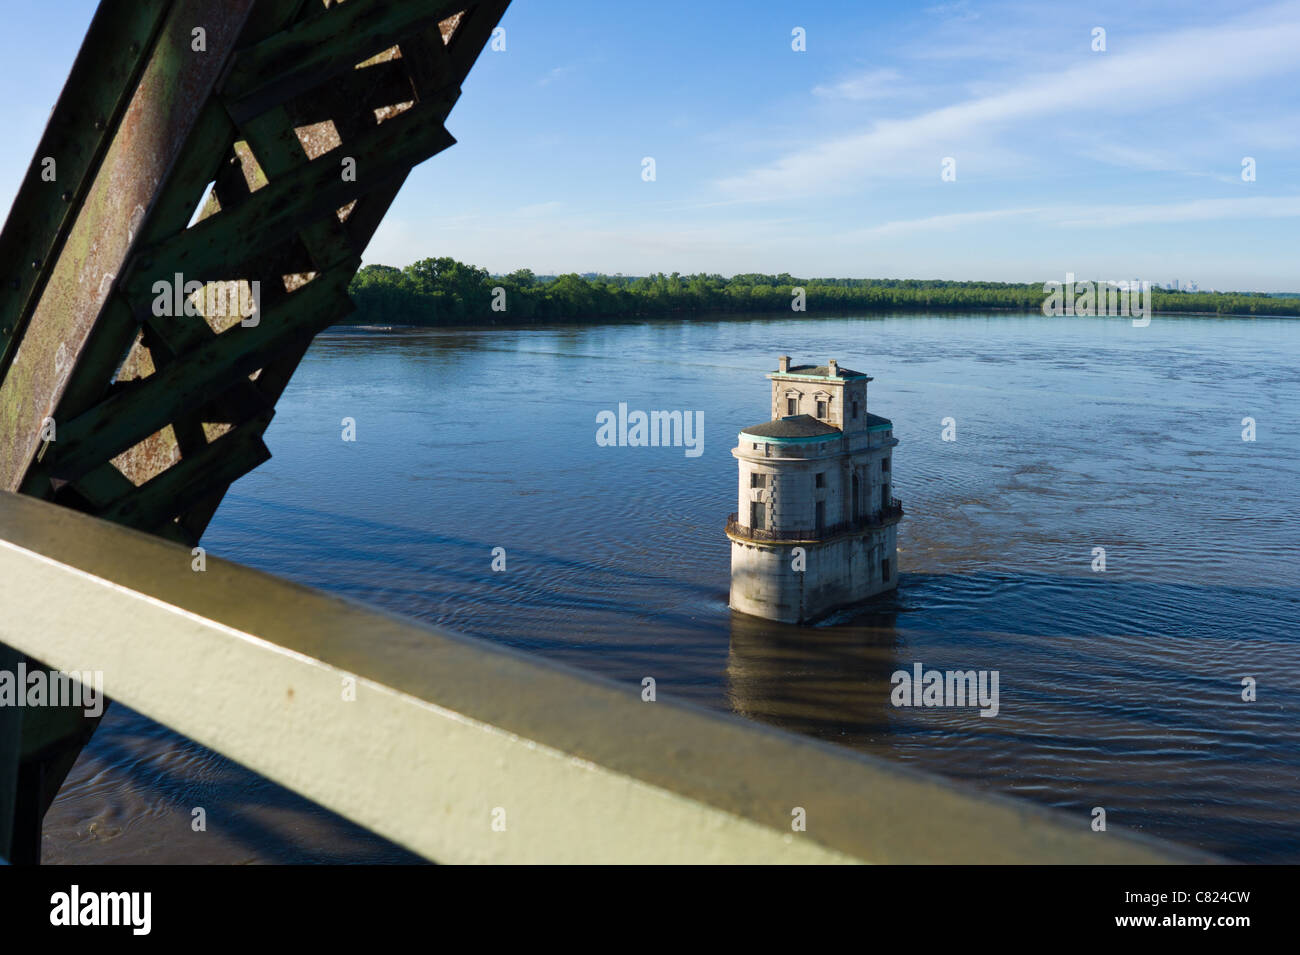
(795, 426)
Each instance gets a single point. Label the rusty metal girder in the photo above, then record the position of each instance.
(98, 89)
(108, 406)
(242, 110)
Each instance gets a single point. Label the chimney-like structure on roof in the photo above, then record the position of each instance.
(783, 363)
(834, 367)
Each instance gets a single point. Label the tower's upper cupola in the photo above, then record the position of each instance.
(831, 394)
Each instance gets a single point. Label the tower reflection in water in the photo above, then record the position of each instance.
(830, 682)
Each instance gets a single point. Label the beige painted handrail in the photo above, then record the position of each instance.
(466, 752)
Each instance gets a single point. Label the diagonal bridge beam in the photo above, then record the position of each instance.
(250, 147)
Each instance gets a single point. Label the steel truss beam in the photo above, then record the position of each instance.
(245, 110)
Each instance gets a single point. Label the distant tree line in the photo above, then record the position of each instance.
(442, 291)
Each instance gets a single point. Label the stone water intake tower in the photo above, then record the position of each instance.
(816, 528)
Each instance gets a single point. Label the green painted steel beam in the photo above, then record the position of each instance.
(61, 338)
(323, 47)
(285, 46)
(141, 129)
(183, 485)
(144, 406)
(99, 87)
(221, 246)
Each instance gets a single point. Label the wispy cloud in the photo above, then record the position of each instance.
(1161, 72)
(874, 84)
(1160, 160)
(943, 223)
(960, 11)
(1080, 216)
(554, 74)
(1196, 210)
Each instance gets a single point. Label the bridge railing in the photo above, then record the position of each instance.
(464, 751)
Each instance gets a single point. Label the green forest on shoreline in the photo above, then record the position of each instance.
(442, 291)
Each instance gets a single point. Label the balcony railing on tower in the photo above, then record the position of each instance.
(886, 515)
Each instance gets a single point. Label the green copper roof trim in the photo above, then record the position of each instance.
(810, 439)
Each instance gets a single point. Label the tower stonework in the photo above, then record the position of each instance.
(816, 477)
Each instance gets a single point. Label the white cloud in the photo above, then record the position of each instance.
(959, 11)
(874, 84)
(555, 74)
(1083, 216)
(1159, 73)
(1196, 210)
(943, 223)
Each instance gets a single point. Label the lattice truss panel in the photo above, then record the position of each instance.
(291, 145)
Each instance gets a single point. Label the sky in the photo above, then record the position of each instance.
(1122, 163)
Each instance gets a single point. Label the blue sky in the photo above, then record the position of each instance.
(1118, 164)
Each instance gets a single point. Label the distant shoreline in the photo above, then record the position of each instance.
(443, 292)
(370, 326)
